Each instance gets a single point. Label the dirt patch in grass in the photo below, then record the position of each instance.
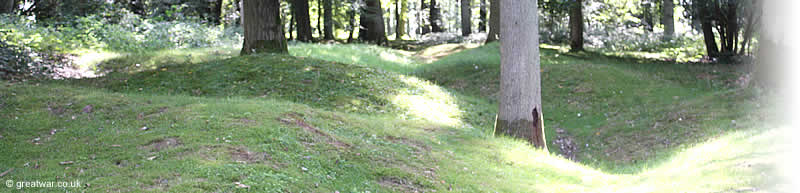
(296, 119)
(400, 185)
(418, 146)
(242, 155)
(566, 144)
(162, 144)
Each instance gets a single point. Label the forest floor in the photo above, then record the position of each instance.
(362, 118)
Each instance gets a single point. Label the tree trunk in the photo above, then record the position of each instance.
(708, 32)
(494, 21)
(434, 17)
(372, 29)
(319, 19)
(576, 26)
(400, 17)
(241, 12)
(520, 110)
(216, 12)
(647, 16)
(466, 17)
(263, 31)
(482, 22)
(424, 27)
(328, 6)
(352, 15)
(7, 6)
(302, 20)
(732, 29)
(668, 19)
(291, 28)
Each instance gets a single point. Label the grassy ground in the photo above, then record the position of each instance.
(357, 118)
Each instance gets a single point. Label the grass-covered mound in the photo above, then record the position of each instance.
(231, 135)
(608, 110)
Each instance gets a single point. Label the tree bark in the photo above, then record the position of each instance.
(263, 31)
(424, 27)
(576, 26)
(435, 17)
(482, 22)
(708, 31)
(328, 6)
(216, 12)
(319, 19)
(400, 17)
(466, 17)
(372, 29)
(668, 19)
(494, 21)
(520, 108)
(732, 29)
(647, 16)
(352, 15)
(302, 20)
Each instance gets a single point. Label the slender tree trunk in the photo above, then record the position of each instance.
(494, 21)
(328, 6)
(216, 12)
(668, 19)
(291, 28)
(647, 16)
(482, 22)
(434, 17)
(352, 15)
(466, 17)
(705, 17)
(424, 26)
(748, 32)
(319, 19)
(576, 26)
(400, 17)
(372, 29)
(520, 111)
(302, 20)
(732, 28)
(263, 31)
(241, 12)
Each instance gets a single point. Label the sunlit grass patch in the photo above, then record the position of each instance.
(429, 102)
(359, 54)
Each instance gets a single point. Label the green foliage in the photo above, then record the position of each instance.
(126, 32)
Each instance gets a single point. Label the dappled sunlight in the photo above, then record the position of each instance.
(429, 102)
(728, 162)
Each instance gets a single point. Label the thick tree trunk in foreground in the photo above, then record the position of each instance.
(667, 10)
(328, 7)
(482, 22)
(466, 17)
(520, 111)
(302, 20)
(494, 21)
(263, 31)
(372, 29)
(576, 26)
(434, 17)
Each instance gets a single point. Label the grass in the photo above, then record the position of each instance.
(350, 118)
